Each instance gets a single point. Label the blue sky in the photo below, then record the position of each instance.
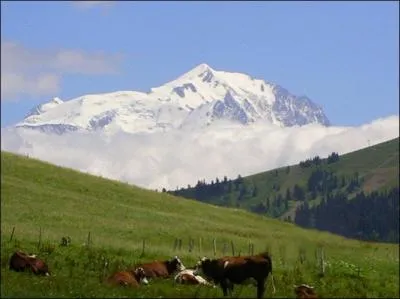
(343, 55)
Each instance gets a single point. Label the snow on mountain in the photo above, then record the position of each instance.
(45, 107)
(196, 99)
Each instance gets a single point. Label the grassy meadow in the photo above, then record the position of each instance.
(42, 203)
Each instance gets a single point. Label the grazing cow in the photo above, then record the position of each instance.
(20, 261)
(162, 268)
(228, 271)
(128, 278)
(304, 291)
(189, 276)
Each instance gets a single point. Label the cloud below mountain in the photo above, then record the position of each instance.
(178, 158)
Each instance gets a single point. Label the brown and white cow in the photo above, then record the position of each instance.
(21, 261)
(128, 278)
(304, 291)
(190, 276)
(162, 268)
(228, 271)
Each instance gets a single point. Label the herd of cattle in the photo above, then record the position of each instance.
(225, 272)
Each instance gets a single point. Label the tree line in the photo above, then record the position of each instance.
(372, 217)
(321, 186)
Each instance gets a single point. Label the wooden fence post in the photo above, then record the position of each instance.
(143, 247)
(225, 248)
(322, 262)
(175, 244)
(200, 245)
(88, 240)
(233, 248)
(180, 244)
(12, 234)
(319, 254)
(191, 244)
(215, 246)
(40, 238)
(105, 267)
(302, 255)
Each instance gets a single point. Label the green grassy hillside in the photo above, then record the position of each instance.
(376, 168)
(37, 196)
(378, 160)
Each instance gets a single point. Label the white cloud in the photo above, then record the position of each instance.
(41, 84)
(84, 63)
(178, 158)
(38, 72)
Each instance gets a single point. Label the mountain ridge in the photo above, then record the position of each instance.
(195, 99)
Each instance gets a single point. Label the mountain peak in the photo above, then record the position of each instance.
(200, 70)
(202, 67)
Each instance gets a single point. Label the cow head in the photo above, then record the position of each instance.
(304, 291)
(141, 275)
(201, 263)
(39, 267)
(211, 268)
(177, 264)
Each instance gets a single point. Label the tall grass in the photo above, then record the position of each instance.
(47, 202)
(80, 271)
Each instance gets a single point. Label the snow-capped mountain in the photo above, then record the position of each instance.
(194, 100)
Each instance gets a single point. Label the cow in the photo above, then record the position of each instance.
(162, 268)
(21, 261)
(189, 276)
(128, 278)
(230, 270)
(304, 291)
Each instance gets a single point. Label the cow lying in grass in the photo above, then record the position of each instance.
(128, 278)
(20, 261)
(305, 291)
(162, 268)
(228, 271)
(189, 276)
